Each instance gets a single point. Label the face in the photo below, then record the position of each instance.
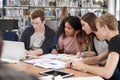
(86, 27)
(101, 32)
(37, 24)
(69, 31)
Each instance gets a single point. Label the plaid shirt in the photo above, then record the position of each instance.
(10, 74)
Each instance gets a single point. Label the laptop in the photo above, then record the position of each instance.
(13, 50)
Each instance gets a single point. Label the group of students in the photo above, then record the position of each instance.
(94, 38)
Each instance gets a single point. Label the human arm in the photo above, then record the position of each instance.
(87, 54)
(96, 59)
(77, 42)
(49, 34)
(93, 60)
(25, 37)
(60, 43)
(105, 72)
(54, 46)
(36, 52)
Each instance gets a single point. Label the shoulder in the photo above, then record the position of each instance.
(114, 40)
(48, 29)
(30, 29)
(61, 36)
(114, 44)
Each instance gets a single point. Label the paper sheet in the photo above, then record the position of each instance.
(7, 60)
(85, 78)
(48, 61)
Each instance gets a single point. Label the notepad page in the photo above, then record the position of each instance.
(85, 78)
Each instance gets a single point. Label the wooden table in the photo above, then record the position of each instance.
(31, 69)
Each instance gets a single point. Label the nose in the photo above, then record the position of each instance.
(82, 28)
(34, 26)
(66, 29)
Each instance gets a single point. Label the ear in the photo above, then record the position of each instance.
(105, 27)
(44, 21)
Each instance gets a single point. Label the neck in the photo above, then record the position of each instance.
(112, 34)
(41, 30)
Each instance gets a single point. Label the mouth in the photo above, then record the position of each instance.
(66, 33)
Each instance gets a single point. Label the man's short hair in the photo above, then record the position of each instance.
(38, 13)
(108, 19)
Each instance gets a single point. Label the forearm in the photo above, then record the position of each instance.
(37, 52)
(99, 71)
(96, 59)
(88, 54)
(91, 60)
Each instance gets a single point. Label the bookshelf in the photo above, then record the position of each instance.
(20, 9)
(75, 7)
(1, 6)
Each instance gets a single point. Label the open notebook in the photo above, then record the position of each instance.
(13, 50)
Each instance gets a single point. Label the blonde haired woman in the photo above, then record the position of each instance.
(64, 13)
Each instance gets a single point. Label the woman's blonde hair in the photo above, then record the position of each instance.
(64, 13)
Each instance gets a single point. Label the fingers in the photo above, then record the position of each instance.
(54, 51)
(78, 54)
(69, 64)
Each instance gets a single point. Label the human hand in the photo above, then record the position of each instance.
(78, 65)
(78, 55)
(29, 52)
(69, 64)
(88, 54)
(36, 52)
(77, 32)
(54, 51)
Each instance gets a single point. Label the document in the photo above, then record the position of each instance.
(48, 61)
(11, 61)
(53, 61)
(85, 78)
(50, 77)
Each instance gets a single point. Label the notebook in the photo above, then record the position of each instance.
(13, 50)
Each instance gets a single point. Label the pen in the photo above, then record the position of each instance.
(71, 64)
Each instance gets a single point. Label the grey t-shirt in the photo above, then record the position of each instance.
(100, 46)
(36, 41)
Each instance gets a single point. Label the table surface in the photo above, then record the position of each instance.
(34, 70)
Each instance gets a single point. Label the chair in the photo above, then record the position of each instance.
(11, 36)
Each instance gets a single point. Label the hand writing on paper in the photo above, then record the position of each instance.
(81, 54)
(78, 65)
(69, 64)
